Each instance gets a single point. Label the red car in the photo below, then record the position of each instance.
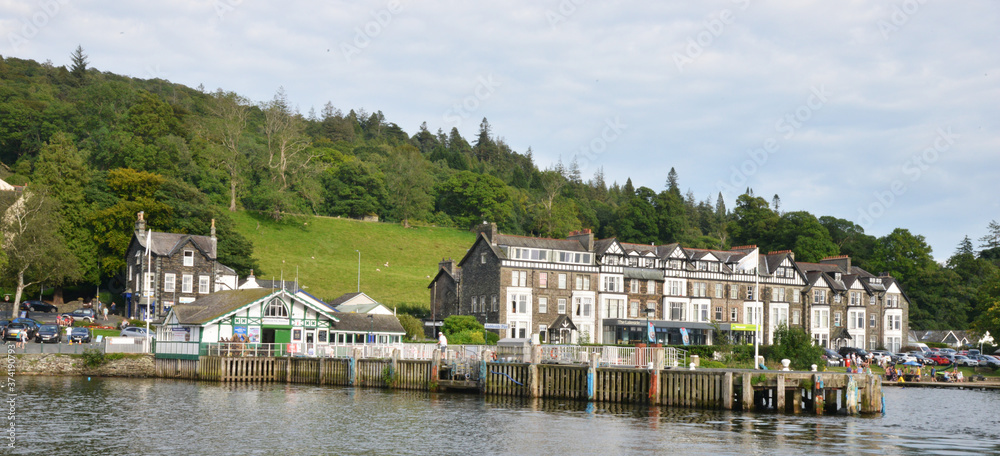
(940, 360)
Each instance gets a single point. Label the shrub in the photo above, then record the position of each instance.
(795, 345)
(93, 358)
(414, 329)
(711, 364)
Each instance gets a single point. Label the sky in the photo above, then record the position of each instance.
(885, 113)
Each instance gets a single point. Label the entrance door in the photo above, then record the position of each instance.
(310, 348)
(268, 336)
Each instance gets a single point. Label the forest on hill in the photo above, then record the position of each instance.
(95, 148)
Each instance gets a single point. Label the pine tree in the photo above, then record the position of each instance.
(776, 202)
(720, 207)
(672, 182)
(79, 67)
(964, 247)
(992, 239)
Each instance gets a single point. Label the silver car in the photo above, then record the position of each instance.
(136, 331)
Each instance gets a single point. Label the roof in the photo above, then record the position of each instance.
(166, 244)
(358, 308)
(643, 273)
(367, 322)
(561, 322)
(540, 243)
(346, 297)
(290, 286)
(212, 306)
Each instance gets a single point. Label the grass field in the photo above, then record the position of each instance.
(323, 250)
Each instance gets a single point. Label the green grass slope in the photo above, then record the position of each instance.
(323, 250)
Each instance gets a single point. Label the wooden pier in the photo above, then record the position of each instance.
(722, 389)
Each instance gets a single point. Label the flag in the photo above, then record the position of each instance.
(650, 333)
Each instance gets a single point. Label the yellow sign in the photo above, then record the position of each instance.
(741, 327)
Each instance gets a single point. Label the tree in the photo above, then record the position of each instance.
(636, 217)
(903, 255)
(992, 239)
(231, 112)
(795, 345)
(800, 232)
(354, 189)
(776, 202)
(79, 66)
(33, 247)
(753, 222)
(471, 198)
(414, 329)
(409, 184)
(133, 192)
(672, 185)
(287, 145)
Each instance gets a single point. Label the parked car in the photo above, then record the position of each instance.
(900, 358)
(48, 333)
(81, 314)
(965, 361)
(14, 331)
(80, 334)
(136, 331)
(939, 360)
(32, 323)
(38, 306)
(920, 358)
(879, 355)
(844, 351)
(991, 361)
(832, 358)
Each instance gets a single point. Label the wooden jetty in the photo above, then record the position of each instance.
(723, 389)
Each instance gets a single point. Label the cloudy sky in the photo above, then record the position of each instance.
(885, 113)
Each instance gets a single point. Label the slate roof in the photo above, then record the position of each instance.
(643, 273)
(343, 298)
(540, 243)
(212, 306)
(357, 308)
(166, 244)
(560, 321)
(360, 323)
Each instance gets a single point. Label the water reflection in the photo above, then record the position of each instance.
(63, 415)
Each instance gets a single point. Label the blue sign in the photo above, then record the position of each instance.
(684, 336)
(650, 332)
(241, 330)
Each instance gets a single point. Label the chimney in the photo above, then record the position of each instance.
(447, 265)
(214, 240)
(140, 225)
(842, 261)
(585, 237)
(488, 229)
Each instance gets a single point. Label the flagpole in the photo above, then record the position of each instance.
(757, 319)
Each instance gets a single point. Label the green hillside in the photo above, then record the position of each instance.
(323, 250)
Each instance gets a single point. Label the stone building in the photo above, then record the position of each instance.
(580, 289)
(165, 269)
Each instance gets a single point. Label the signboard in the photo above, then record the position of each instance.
(742, 327)
(254, 334)
(684, 336)
(240, 330)
(433, 323)
(180, 334)
(651, 333)
(496, 326)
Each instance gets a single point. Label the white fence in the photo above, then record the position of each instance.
(126, 345)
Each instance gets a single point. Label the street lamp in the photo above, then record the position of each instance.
(359, 270)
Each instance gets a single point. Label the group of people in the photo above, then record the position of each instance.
(894, 374)
(856, 364)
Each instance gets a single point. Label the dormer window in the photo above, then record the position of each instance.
(714, 267)
(836, 276)
(276, 308)
(189, 258)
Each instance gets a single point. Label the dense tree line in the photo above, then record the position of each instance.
(101, 147)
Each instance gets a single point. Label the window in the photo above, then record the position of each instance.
(821, 339)
(718, 314)
(650, 287)
(518, 278)
(474, 304)
(189, 258)
(719, 292)
(543, 305)
(482, 258)
(796, 317)
(891, 300)
(583, 282)
(187, 283)
(583, 306)
(674, 264)
(871, 300)
(749, 293)
(702, 312)
(698, 289)
(855, 298)
(276, 308)
(614, 308)
(203, 284)
(778, 294)
(543, 280)
(819, 296)
(872, 321)
(734, 314)
(677, 311)
(836, 297)
(894, 322)
(542, 332)
(836, 319)
(821, 318)
(779, 316)
(633, 309)
(168, 282)
(562, 305)
(562, 281)
(612, 284)
(675, 288)
(855, 319)
(518, 303)
(147, 284)
(734, 292)
(713, 266)
(494, 303)
(795, 294)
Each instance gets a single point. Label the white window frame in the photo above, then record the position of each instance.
(169, 282)
(204, 284)
(562, 281)
(719, 291)
(543, 304)
(650, 287)
(543, 280)
(187, 283)
(189, 258)
(561, 306)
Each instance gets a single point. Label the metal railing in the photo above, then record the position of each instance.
(127, 345)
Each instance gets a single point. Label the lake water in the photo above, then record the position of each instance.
(71, 415)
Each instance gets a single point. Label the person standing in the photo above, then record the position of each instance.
(442, 343)
(105, 311)
(22, 337)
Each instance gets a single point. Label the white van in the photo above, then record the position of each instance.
(922, 346)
